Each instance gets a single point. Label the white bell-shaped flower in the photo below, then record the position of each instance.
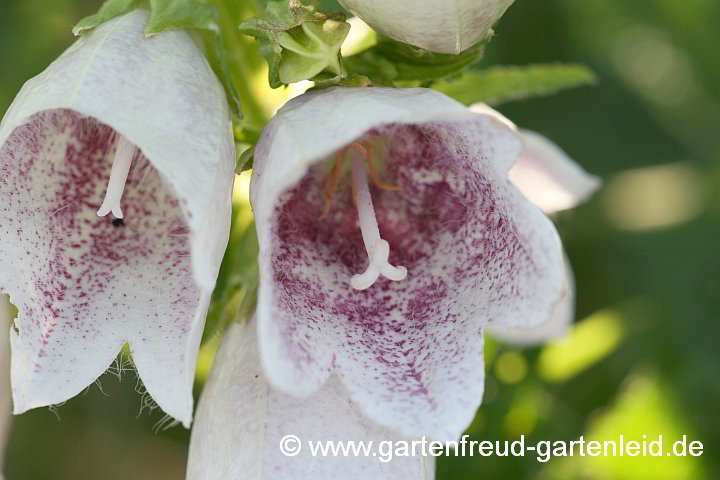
(450, 26)
(390, 238)
(116, 171)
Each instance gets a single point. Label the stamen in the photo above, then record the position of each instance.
(378, 249)
(335, 175)
(124, 153)
(331, 185)
(372, 171)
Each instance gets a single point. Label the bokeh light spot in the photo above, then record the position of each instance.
(654, 197)
(590, 340)
(524, 413)
(511, 367)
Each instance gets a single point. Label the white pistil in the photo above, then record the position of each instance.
(124, 153)
(378, 250)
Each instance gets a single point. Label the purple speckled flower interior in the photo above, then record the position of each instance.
(476, 253)
(85, 285)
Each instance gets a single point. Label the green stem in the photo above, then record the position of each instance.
(241, 57)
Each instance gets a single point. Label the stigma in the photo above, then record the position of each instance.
(124, 153)
(377, 248)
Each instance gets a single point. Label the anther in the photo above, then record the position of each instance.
(124, 153)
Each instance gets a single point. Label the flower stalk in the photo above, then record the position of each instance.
(244, 61)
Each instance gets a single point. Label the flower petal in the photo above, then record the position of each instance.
(548, 177)
(556, 328)
(241, 420)
(477, 253)
(83, 286)
(5, 320)
(443, 27)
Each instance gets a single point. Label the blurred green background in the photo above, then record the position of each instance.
(642, 357)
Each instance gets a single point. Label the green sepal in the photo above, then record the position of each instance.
(109, 10)
(298, 42)
(503, 84)
(352, 80)
(390, 62)
(176, 14)
(164, 15)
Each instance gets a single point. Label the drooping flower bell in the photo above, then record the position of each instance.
(115, 197)
(462, 247)
(242, 425)
(231, 440)
(442, 27)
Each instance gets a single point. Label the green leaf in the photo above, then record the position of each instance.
(503, 84)
(390, 62)
(109, 10)
(244, 160)
(236, 289)
(174, 14)
(164, 15)
(298, 42)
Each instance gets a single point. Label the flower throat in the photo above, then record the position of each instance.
(377, 248)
